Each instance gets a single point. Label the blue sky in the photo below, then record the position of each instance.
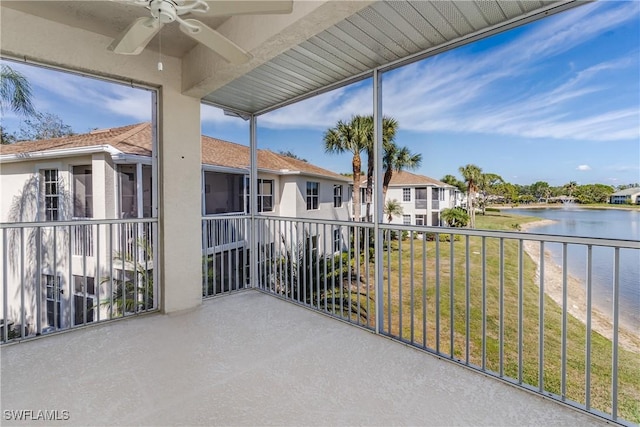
(557, 100)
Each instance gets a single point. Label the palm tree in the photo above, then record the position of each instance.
(455, 217)
(571, 187)
(392, 208)
(397, 159)
(389, 129)
(15, 91)
(350, 137)
(472, 174)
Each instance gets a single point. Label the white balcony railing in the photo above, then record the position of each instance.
(63, 274)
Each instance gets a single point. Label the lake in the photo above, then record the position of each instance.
(604, 223)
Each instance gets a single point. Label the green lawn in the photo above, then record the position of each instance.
(410, 295)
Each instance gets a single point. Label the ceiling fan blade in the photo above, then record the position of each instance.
(248, 7)
(216, 42)
(133, 40)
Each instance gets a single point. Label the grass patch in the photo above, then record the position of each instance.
(422, 290)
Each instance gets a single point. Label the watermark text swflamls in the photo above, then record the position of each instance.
(36, 415)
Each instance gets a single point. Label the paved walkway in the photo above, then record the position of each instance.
(250, 359)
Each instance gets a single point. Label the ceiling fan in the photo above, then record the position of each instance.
(136, 37)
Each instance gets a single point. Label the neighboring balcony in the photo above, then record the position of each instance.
(472, 298)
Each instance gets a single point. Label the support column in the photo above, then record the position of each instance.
(180, 159)
(378, 203)
(253, 202)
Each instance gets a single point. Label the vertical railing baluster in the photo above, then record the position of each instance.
(520, 307)
(349, 283)
(23, 281)
(399, 234)
(541, 322)
(111, 271)
(326, 259)
(389, 322)
(467, 298)
(411, 276)
(38, 278)
(84, 274)
(616, 315)
(317, 261)
(357, 265)
(484, 303)
(587, 391)
(437, 238)
(96, 277)
(452, 263)
(367, 271)
(5, 287)
(563, 369)
(424, 290)
(70, 284)
(501, 303)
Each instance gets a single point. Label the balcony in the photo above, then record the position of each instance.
(251, 359)
(465, 296)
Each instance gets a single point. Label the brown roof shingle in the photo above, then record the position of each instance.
(408, 178)
(136, 139)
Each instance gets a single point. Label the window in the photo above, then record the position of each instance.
(128, 191)
(79, 299)
(337, 196)
(406, 219)
(51, 195)
(421, 193)
(265, 195)
(128, 187)
(337, 246)
(421, 220)
(52, 286)
(406, 194)
(82, 192)
(312, 195)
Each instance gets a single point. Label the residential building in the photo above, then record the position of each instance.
(626, 196)
(108, 174)
(422, 198)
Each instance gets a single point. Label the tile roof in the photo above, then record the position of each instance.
(136, 139)
(408, 178)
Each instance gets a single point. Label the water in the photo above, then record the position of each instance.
(604, 223)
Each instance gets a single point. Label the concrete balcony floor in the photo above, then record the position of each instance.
(251, 359)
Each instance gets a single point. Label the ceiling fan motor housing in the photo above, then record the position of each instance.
(163, 10)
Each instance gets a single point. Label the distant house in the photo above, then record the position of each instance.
(108, 174)
(627, 196)
(422, 198)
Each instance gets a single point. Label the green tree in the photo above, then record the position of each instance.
(570, 187)
(540, 190)
(15, 91)
(389, 130)
(392, 208)
(397, 159)
(351, 137)
(472, 175)
(455, 217)
(452, 180)
(487, 185)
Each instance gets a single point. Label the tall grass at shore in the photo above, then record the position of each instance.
(415, 285)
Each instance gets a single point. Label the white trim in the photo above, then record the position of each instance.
(63, 152)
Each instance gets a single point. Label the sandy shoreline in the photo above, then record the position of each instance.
(576, 294)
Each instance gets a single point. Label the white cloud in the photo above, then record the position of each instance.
(472, 93)
(583, 168)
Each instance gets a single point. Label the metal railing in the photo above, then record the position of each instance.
(48, 285)
(504, 303)
(225, 254)
(421, 204)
